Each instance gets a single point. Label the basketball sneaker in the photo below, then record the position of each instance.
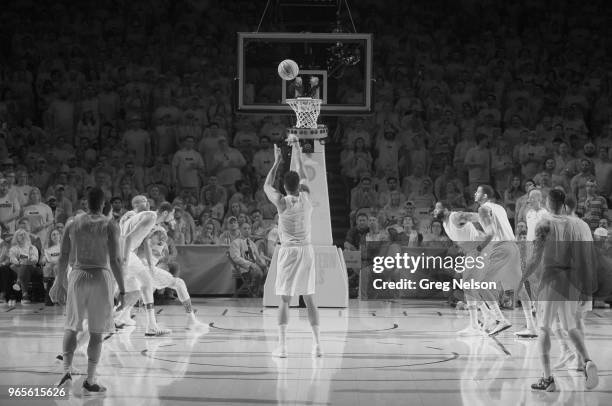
(545, 384)
(93, 389)
(566, 359)
(526, 333)
(316, 350)
(502, 326)
(591, 379)
(66, 381)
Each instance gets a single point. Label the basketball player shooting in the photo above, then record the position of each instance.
(296, 266)
(92, 241)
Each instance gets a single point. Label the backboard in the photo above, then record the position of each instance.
(335, 67)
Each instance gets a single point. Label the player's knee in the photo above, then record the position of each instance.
(95, 338)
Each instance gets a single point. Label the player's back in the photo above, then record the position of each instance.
(89, 241)
(560, 232)
(294, 223)
(139, 224)
(500, 225)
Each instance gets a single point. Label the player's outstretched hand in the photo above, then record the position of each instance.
(277, 154)
(57, 293)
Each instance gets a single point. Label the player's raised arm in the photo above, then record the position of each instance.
(296, 151)
(273, 195)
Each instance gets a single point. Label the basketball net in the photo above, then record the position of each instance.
(306, 110)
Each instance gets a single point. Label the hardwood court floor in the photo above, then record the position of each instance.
(376, 353)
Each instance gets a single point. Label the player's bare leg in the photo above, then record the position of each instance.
(192, 323)
(526, 304)
(283, 320)
(313, 318)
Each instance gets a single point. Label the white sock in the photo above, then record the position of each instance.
(315, 335)
(282, 335)
(526, 305)
(473, 316)
(494, 306)
(151, 322)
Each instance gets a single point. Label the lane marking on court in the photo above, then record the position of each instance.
(246, 330)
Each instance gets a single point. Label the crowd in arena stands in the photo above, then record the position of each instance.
(137, 99)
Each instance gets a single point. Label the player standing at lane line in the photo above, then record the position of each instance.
(296, 262)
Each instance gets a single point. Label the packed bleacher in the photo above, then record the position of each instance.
(136, 98)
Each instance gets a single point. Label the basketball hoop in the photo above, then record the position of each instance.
(306, 110)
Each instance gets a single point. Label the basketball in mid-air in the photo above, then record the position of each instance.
(288, 69)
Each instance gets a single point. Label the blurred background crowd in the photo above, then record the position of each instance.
(136, 97)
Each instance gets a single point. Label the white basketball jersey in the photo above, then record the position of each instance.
(135, 221)
(294, 222)
(500, 225)
(466, 237)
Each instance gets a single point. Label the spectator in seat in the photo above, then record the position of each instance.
(247, 257)
(393, 211)
(210, 144)
(578, 183)
(117, 209)
(207, 236)
(23, 258)
(9, 209)
(39, 215)
(159, 174)
(41, 177)
(392, 186)
(502, 165)
(357, 161)
(187, 165)
(137, 141)
(478, 162)
(23, 188)
(531, 156)
(356, 235)
(51, 258)
(423, 198)
(550, 172)
(232, 232)
(603, 172)
(264, 157)
(454, 196)
(258, 228)
(414, 182)
(64, 205)
(130, 174)
(213, 193)
(448, 176)
(375, 232)
(411, 232)
(521, 203)
(593, 207)
(227, 165)
(363, 195)
(184, 229)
